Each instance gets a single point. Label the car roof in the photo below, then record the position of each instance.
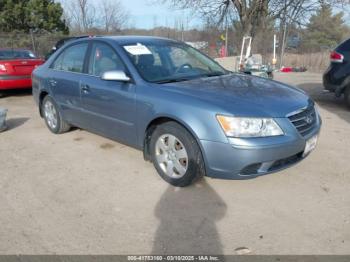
(123, 40)
(14, 49)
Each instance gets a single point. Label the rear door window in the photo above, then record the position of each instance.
(71, 59)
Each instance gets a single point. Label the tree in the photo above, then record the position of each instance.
(81, 14)
(249, 14)
(36, 15)
(325, 30)
(252, 15)
(85, 16)
(114, 17)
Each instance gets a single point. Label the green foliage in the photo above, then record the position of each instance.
(325, 30)
(36, 15)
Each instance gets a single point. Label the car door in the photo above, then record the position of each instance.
(64, 82)
(109, 105)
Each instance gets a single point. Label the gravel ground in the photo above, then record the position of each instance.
(79, 193)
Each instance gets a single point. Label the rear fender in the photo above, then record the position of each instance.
(43, 94)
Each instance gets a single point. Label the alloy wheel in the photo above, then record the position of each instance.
(50, 114)
(171, 156)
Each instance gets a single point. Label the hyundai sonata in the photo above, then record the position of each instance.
(188, 115)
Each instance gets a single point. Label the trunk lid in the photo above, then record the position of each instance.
(21, 66)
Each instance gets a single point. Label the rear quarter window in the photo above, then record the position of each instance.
(16, 54)
(71, 59)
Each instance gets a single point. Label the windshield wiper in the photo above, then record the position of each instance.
(182, 79)
(215, 73)
(172, 80)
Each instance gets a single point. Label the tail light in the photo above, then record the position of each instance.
(2, 68)
(336, 57)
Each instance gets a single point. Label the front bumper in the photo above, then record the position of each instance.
(252, 157)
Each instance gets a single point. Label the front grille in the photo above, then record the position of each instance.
(305, 120)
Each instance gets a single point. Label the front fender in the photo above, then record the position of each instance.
(196, 116)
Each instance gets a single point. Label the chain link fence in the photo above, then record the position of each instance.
(40, 44)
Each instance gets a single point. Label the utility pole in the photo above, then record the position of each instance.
(32, 37)
(283, 44)
(182, 30)
(285, 20)
(226, 39)
(274, 59)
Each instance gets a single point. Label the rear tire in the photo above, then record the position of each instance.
(53, 117)
(176, 155)
(270, 75)
(347, 96)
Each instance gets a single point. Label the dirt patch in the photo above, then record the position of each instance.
(70, 199)
(107, 146)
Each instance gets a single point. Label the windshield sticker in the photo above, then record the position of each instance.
(137, 49)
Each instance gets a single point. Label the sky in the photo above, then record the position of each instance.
(144, 14)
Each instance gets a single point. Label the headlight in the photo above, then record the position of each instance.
(249, 127)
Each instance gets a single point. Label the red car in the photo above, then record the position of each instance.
(16, 67)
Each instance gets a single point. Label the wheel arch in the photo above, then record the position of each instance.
(42, 95)
(158, 121)
(342, 88)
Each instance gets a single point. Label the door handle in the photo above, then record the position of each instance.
(53, 82)
(85, 89)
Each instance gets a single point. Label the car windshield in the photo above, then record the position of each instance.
(165, 62)
(16, 54)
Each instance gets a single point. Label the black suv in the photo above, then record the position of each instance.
(61, 42)
(337, 77)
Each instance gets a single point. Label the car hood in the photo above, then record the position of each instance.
(244, 95)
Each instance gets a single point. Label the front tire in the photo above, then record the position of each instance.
(176, 155)
(53, 117)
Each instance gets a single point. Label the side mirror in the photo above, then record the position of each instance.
(116, 75)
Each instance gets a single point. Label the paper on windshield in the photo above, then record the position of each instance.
(138, 49)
